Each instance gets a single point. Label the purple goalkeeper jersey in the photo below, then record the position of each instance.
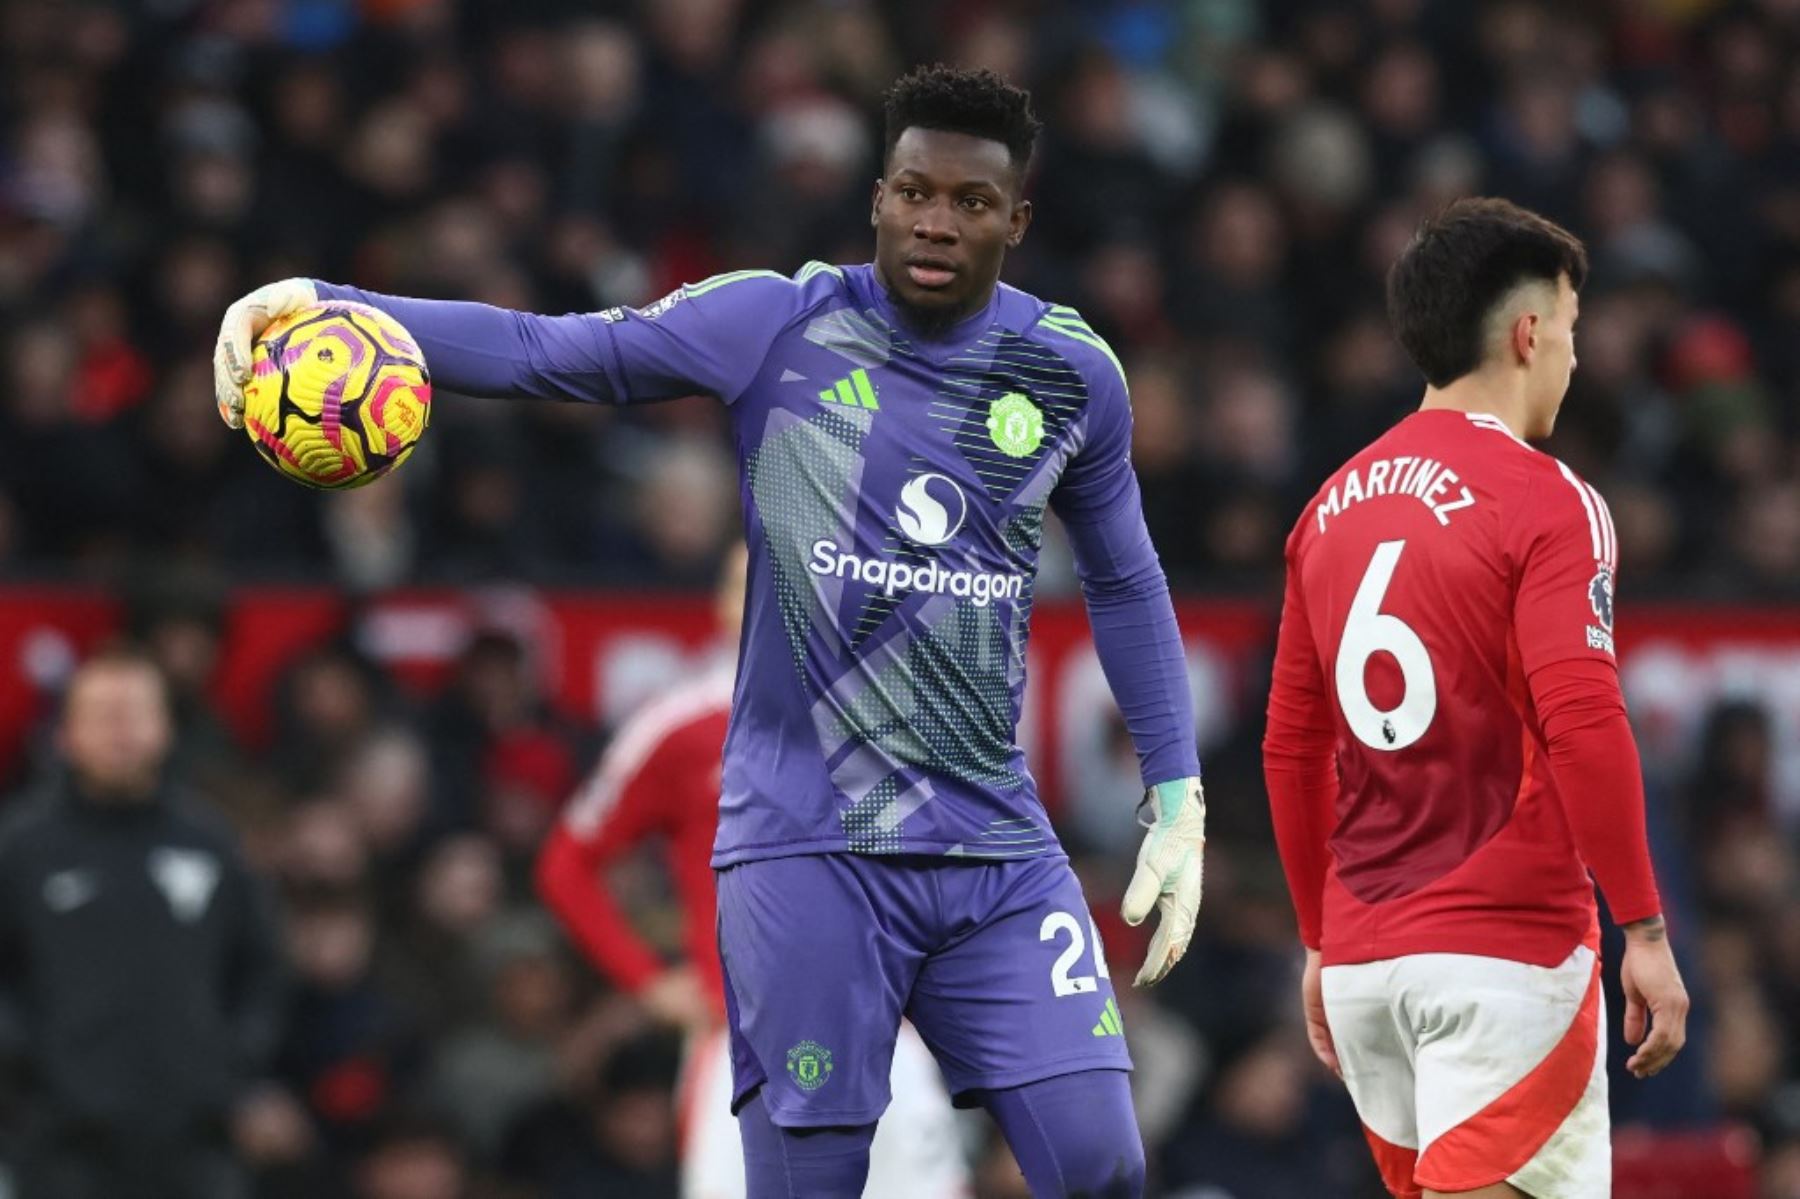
(894, 490)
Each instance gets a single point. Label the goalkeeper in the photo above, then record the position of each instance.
(882, 852)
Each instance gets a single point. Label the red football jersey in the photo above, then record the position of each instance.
(1431, 577)
(658, 779)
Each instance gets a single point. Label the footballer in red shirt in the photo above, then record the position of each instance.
(1447, 753)
(659, 781)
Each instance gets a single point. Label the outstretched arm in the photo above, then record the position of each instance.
(706, 338)
(480, 350)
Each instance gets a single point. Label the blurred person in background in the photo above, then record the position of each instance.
(352, 1053)
(281, 1149)
(629, 1150)
(1253, 1141)
(180, 623)
(659, 781)
(502, 759)
(143, 981)
(498, 1066)
(686, 508)
(413, 1157)
(71, 478)
(453, 895)
(326, 704)
(385, 780)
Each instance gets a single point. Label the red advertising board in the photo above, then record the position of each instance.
(601, 653)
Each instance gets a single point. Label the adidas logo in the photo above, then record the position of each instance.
(853, 391)
(1110, 1025)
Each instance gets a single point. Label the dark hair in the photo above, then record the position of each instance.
(973, 101)
(648, 1062)
(408, 1128)
(1459, 264)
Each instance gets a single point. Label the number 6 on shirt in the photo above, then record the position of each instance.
(1370, 631)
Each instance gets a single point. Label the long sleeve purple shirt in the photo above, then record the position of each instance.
(894, 491)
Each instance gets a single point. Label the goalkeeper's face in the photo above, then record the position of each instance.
(945, 214)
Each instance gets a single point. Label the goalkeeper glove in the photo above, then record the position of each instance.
(243, 321)
(1168, 872)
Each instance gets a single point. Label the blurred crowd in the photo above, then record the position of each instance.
(1219, 190)
(438, 1038)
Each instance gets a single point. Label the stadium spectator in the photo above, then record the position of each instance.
(351, 1052)
(413, 1157)
(143, 977)
(491, 1071)
(612, 1135)
(1226, 165)
(629, 1152)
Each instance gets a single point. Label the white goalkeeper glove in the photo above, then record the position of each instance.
(1168, 872)
(237, 332)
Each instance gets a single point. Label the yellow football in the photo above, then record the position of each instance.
(338, 395)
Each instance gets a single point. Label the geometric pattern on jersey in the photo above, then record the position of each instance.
(864, 342)
(903, 708)
(940, 702)
(933, 695)
(806, 475)
(970, 667)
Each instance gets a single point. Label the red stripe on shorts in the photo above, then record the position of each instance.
(1396, 1165)
(1495, 1142)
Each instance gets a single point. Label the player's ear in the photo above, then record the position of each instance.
(1020, 221)
(1524, 336)
(875, 205)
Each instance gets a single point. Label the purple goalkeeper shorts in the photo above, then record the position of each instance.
(997, 965)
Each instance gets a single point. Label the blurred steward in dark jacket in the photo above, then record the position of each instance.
(140, 977)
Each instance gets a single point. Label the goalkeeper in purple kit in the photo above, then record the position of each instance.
(901, 428)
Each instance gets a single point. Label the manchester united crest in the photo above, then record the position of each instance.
(809, 1065)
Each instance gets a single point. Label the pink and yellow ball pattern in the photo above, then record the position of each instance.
(338, 395)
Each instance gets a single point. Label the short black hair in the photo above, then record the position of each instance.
(975, 101)
(1460, 263)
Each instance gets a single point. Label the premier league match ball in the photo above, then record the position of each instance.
(338, 395)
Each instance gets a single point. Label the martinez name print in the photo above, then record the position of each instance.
(1425, 479)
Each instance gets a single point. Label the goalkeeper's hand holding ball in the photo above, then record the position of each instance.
(243, 321)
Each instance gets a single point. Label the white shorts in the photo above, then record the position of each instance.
(1467, 1071)
(917, 1152)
